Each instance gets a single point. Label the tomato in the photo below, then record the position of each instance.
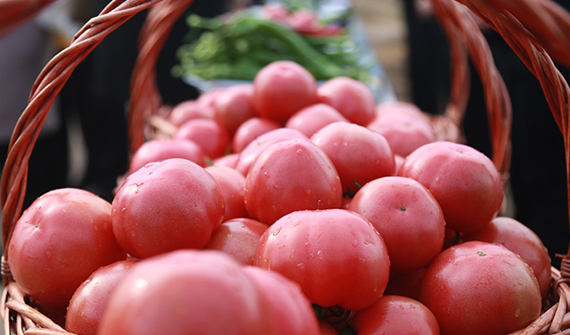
(165, 206)
(282, 88)
(232, 184)
(250, 153)
(187, 291)
(189, 110)
(208, 134)
(336, 256)
(310, 119)
(289, 176)
(480, 288)
(463, 180)
(395, 315)
(229, 160)
(57, 243)
(91, 297)
(159, 150)
(406, 284)
(352, 98)
(234, 106)
(293, 312)
(404, 132)
(407, 216)
(521, 240)
(358, 154)
(250, 130)
(326, 328)
(238, 237)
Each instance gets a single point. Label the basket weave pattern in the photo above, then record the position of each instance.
(535, 29)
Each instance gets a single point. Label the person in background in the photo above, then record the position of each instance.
(538, 167)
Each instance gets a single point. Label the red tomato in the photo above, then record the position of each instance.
(289, 176)
(521, 240)
(358, 154)
(407, 216)
(208, 134)
(189, 110)
(406, 284)
(293, 312)
(326, 328)
(335, 255)
(232, 184)
(250, 130)
(352, 98)
(166, 206)
(401, 108)
(282, 88)
(480, 288)
(187, 291)
(159, 150)
(464, 181)
(304, 21)
(310, 119)
(234, 106)
(395, 315)
(238, 237)
(250, 153)
(91, 297)
(229, 160)
(57, 243)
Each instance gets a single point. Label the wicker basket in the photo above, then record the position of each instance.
(465, 39)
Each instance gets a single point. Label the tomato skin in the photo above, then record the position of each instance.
(336, 256)
(57, 243)
(187, 291)
(232, 184)
(250, 153)
(480, 288)
(293, 312)
(522, 241)
(407, 216)
(352, 98)
(395, 315)
(289, 176)
(166, 206)
(310, 119)
(358, 154)
(189, 110)
(91, 297)
(159, 150)
(250, 130)
(282, 88)
(238, 237)
(464, 181)
(208, 134)
(234, 106)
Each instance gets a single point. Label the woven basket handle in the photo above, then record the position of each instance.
(45, 89)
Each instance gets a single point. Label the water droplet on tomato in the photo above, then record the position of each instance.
(301, 266)
(266, 174)
(355, 243)
(276, 231)
(124, 209)
(320, 254)
(299, 152)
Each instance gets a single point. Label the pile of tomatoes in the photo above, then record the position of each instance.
(286, 207)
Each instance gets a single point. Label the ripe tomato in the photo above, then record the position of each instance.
(229, 160)
(395, 315)
(232, 184)
(234, 106)
(521, 240)
(159, 150)
(57, 243)
(358, 154)
(188, 291)
(464, 181)
(250, 153)
(91, 297)
(289, 176)
(406, 284)
(250, 130)
(352, 98)
(310, 119)
(238, 237)
(208, 134)
(189, 110)
(407, 216)
(282, 88)
(165, 206)
(336, 256)
(480, 288)
(293, 312)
